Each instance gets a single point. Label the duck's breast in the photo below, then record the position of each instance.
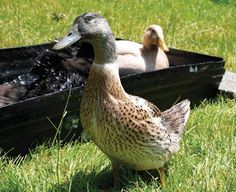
(162, 61)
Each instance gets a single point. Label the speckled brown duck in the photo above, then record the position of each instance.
(128, 129)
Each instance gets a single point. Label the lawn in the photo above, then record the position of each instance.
(207, 157)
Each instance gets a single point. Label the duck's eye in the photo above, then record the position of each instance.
(88, 18)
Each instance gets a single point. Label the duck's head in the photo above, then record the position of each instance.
(153, 35)
(88, 27)
(94, 29)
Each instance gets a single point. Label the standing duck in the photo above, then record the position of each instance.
(135, 57)
(128, 129)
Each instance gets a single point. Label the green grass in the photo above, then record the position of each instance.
(206, 161)
(207, 157)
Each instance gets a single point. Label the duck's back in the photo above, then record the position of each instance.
(124, 47)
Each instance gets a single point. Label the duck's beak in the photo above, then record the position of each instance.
(72, 37)
(163, 45)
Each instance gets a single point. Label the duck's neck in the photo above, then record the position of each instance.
(104, 82)
(104, 79)
(147, 45)
(105, 49)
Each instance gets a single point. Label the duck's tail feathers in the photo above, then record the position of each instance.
(176, 117)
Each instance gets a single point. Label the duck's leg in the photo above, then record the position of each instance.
(161, 171)
(116, 175)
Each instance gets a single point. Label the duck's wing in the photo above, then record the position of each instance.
(124, 47)
(159, 132)
(152, 109)
(173, 119)
(130, 64)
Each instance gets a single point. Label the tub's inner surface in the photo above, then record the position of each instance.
(37, 70)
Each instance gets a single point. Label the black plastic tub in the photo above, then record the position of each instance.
(25, 123)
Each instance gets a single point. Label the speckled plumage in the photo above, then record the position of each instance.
(128, 129)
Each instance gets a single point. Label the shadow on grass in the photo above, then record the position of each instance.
(103, 181)
(86, 182)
